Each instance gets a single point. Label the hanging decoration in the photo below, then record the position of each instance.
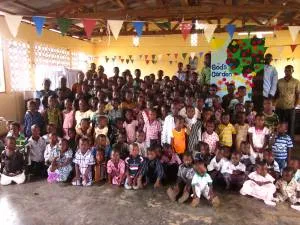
(185, 29)
(13, 23)
(64, 25)
(176, 55)
(115, 27)
(184, 55)
(192, 54)
(230, 28)
(164, 25)
(147, 61)
(127, 61)
(201, 54)
(217, 43)
(159, 57)
(293, 47)
(39, 22)
(89, 26)
(138, 26)
(122, 60)
(209, 31)
(294, 31)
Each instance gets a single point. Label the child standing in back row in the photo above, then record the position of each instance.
(178, 138)
(226, 131)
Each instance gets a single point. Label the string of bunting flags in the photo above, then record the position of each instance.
(176, 57)
(114, 26)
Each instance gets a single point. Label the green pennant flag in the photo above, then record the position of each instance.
(127, 61)
(106, 58)
(114, 58)
(131, 60)
(164, 25)
(130, 56)
(170, 62)
(153, 57)
(184, 55)
(141, 56)
(64, 25)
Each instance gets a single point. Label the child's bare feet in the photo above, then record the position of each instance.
(195, 202)
(171, 192)
(157, 184)
(215, 202)
(185, 196)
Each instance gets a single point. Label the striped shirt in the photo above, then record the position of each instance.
(195, 135)
(134, 165)
(225, 133)
(281, 146)
(151, 129)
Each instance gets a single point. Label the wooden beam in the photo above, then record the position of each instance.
(25, 6)
(122, 4)
(184, 2)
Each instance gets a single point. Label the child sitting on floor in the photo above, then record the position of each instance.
(202, 152)
(234, 171)
(133, 167)
(122, 146)
(245, 156)
(152, 170)
(116, 169)
(260, 184)
(170, 161)
(84, 129)
(15, 131)
(84, 160)
(184, 178)
(61, 166)
(11, 164)
(215, 166)
(52, 150)
(287, 188)
(273, 167)
(202, 185)
(258, 138)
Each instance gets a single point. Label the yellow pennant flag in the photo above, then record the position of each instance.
(217, 43)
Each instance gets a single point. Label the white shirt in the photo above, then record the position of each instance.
(229, 167)
(51, 152)
(182, 113)
(84, 161)
(168, 126)
(82, 115)
(270, 81)
(37, 149)
(214, 165)
(201, 181)
(258, 136)
(255, 176)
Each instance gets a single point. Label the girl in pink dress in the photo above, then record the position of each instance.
(116, 169)
(68, 117)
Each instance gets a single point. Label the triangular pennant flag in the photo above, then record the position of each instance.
(39, 22)
(131, 60)
(89, 26)
(114, 58)
(294, 31)
(159, 57)
(217, 43)
(115, 27)
(106, 59)
(185, 29)
(120, 57)
(153, 61)
(138, 26)
(130, 56)
(127, 61)
(201, 54)
(140, 56)
(146, 56)
(192, 54)
(170, 62)
(288, 59)
(168, 54)
(176, 55)
(64, 25)
(164, 25)
(122, 60)
(230, 28)
(147, 61)
(209, 31)
(280, 50)
(13, 23)
(293, 47)
(153, 57)
(184, 55)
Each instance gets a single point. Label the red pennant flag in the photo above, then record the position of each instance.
(89, 26)
(176, 55)
(147, 62)
(122, 60)
(146, 56)
(293, 47)
(185, 29)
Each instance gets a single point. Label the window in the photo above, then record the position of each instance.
(50, 63)
(19, 65)
(2, 80)
(81, 61)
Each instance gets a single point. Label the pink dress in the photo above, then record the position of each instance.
(68, 122)
(116, 171)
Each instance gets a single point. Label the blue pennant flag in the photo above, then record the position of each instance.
(230, 28)
(138, 26)
(39, 23)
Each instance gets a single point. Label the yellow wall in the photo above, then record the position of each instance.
(175, 44)
(12, 103)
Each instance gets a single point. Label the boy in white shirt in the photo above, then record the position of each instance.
(36, 146)
(234, 171)
(215, 166)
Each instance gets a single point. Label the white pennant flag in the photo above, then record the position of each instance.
(159, 57)
(115, 27)
(192, 54)
(209, 31)
(294, 30)
(280, 50)
(13, 23)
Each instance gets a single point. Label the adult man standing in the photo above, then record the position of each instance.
(206, 71)
(180, 73)
(270, 78)
(288, 91)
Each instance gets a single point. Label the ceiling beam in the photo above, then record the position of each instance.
(25, 6)
(184, 2)
(122, 4)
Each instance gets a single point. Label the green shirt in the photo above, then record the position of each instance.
(271, 121)
(205, 75)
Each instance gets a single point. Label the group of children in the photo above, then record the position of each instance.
(133, 133)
